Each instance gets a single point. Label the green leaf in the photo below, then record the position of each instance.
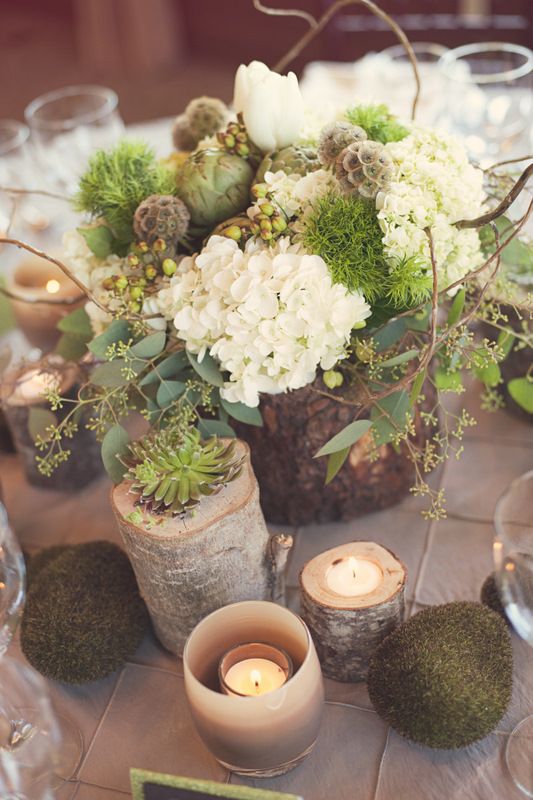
(39, 419)
(506, 339)
(389, 416)
(214, 427)
(417, 387)
(401, 358)
(168, 392)
(490, 375)
(521, 390)
(168, 368)
(207, 369)
(335, 462)
(243, 413)
(71, 347)
(391, 333)
(457, 308)
(150, 346)
(112, 373)
(99, 240)
(77, 322)
(345, 438)
(115, 443)
(448, 381)
(118, 331)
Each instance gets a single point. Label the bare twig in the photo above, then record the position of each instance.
(285, 12)
(507, 161)
(42, 192)
(502, 207)
(314, 31)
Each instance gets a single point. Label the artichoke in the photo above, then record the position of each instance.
(171, 472)
(293, 159)
(214, 185)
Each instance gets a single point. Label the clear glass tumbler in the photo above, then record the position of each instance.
(513, 556)
(13, 165)
(68, 125)
(490, 101)
(432, 101)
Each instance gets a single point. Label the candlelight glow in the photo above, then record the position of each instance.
(352, 564)
(53, 286)
(255, 677)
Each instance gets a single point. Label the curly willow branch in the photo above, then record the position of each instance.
(314, 31)
(502, 207)
(285, 12)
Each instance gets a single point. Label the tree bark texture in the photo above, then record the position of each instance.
(292, 482)
(189, 566)
(346, 638)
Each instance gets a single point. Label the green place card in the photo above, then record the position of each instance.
(155, 786)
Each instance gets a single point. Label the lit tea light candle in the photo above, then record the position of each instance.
(253, 669)
(351, 597)
(353, 577)
(41, 296)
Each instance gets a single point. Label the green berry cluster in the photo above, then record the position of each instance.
(235, 138)
(147, 265)
(268, 220)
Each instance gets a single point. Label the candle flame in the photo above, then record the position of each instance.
(255, 677)
(53, 286)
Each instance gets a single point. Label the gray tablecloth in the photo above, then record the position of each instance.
(138, 717)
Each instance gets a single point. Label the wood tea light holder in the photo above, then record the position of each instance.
(352, 596)
(22, 390)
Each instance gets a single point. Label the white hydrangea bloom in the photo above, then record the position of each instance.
(434, 186)
(270, 315)
(92, 271)
(295, 194)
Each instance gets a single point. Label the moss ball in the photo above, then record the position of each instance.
(34, 564)
(84, 615)
(490, 596)
(444, 677)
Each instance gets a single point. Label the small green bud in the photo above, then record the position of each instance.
(242, 137)
(242, 150)
(266, 235)
(143, 247)
(108, 284)
(159, 245)
(279, 224)
(169, 266)
(233, 129)
(150, 272)
(133, 260)
(259, 190)
(229, 141)
(332, 378)
(358, 325)
(233, 232)
(268, 209)
(363, 351)
(134, 307)
(136, 293)
(121, 283)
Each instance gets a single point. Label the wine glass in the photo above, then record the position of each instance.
(24, 719)
(400, 80)
(513, 556)
(13, 150)
(29, 735)
(490, 99)
(68, 125)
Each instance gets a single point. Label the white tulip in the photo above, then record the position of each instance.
(271, 105)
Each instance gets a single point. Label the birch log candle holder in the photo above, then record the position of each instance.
(23, 389)
(351, 598)
(188, 566)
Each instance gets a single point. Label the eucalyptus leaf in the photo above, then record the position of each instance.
(521, 390)
(71, 346)
(419, 321)
(448, 381)
(417, 387)
(168, 392)
(214, 427)
(506, 339)
(168, 368)
(39, 419)
(150, 346)
(389, 416)
(114, 444)
(490, 375)
(77, 322)
(345, 438)
(207, 369)
(243, 413)
(99, 239)
(112, 373)
(401, 358)
(457, 307)
(118, 331)
(391, 333)
(335, 462)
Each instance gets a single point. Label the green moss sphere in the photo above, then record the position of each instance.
(84, 616)
(490, 596)
(34, 564)
(444, 677)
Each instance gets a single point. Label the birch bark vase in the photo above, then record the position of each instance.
(347, 629)
(188, 567)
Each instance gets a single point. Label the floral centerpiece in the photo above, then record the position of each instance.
(279, 263)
